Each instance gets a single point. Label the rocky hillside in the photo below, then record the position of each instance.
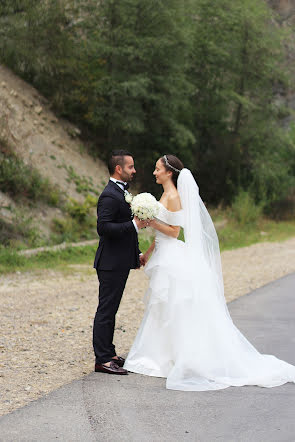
(48, 144)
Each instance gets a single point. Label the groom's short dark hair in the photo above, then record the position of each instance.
(117, 158)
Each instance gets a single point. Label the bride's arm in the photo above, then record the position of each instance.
(173, 205)
(164, 228)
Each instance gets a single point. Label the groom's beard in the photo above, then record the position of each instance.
(127, 178)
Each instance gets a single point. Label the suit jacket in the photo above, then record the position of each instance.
(118, 244)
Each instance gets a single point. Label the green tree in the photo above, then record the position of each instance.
(141, 89)
(35, 41)
(237, 61)
(194, 78)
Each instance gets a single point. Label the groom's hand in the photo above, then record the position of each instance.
(142, 260)
(140, 223)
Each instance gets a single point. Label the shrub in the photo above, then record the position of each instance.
(65, 229)
(80, 223)
(20, 232)
(79, 211)
(244, 210)
(20, 180)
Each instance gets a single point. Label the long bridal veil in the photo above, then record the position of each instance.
(199, 231)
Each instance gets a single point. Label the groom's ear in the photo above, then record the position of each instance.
(118, 169)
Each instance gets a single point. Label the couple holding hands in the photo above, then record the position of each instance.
(187, 335)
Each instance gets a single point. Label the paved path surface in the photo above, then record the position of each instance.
(136, 408)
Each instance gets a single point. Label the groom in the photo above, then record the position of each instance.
(117, 253)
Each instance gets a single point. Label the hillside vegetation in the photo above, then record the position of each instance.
(209, 81)
(212, 82)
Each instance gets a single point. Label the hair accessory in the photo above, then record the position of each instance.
(169, 165)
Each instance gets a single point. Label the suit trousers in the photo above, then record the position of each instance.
(111, 287)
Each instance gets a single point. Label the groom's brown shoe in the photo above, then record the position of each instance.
(113, 368)
(119, 361)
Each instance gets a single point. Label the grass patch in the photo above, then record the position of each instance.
(234, 236)
(11, 261)
(231, 236)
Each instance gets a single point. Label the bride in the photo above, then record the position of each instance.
(187, 335)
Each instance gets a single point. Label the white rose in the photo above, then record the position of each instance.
(128, 197)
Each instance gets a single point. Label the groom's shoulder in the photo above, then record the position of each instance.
(108, 191)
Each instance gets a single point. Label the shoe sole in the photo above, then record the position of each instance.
(110, 372)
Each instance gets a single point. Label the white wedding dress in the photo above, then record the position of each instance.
(187, 334)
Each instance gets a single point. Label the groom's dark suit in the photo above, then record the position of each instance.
(117, 253)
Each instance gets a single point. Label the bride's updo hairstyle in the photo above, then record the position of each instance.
(172, 164)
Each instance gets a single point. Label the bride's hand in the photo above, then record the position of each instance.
(151, 223)
(141, 224)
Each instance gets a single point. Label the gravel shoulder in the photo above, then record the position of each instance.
(46, 317)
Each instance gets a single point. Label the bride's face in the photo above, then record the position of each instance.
(161, 174)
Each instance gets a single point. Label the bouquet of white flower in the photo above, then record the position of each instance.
(144, 206)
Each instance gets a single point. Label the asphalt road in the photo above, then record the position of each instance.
(102, 407)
